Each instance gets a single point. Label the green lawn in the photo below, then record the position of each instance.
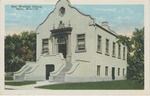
(20, 83)
(109, 85)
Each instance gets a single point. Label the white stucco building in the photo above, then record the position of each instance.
(71, 47)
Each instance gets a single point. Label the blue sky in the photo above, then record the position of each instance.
(123, 19)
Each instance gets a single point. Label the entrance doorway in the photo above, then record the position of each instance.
(62, 49)
(49, 68)
(113, 73)
(62, 46)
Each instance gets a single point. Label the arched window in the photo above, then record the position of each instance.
(61, 40)
(62, 11)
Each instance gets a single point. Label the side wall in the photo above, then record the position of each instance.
(103, 60)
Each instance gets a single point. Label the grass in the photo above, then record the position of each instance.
(20, 83)
(109, 85)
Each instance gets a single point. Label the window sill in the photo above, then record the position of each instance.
(80, 51)
(44, 55)
(106, 54)
(99, 52)
(114, 56)
(119, 57)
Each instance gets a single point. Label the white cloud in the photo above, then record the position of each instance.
(100, 19)
(126, 30)
(44, 9)
(106, 9)
(130, 11)
(18, 30)
(124, 17)
(13, 15)
(129, 34)
(126, 10)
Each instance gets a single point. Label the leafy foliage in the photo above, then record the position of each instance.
(18, 49)
(135, 46)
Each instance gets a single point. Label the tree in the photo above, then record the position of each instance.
(138, 60)
(18, 49)
(135, 55)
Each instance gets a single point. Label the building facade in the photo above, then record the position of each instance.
(71, 47)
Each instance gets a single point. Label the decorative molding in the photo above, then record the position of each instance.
(114, 34)
(66, 30)
(70, 7)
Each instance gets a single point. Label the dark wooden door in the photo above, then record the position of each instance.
(113, 73)
(49, 68)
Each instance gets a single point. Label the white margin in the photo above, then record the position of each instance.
(144, 92)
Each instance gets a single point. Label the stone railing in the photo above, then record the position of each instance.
(19, 74)
(75, 66)
(56, 72)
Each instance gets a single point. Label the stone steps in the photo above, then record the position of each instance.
(41, 83)
(61, 76)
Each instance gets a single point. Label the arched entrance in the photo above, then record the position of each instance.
(61, 41)
(62, 45)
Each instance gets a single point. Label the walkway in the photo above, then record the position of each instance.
(31, 86)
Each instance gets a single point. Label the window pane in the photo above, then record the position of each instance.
(45, 46)
(106, 71)
(99, 48)
(119, 51)
(107, 46)
(114, 47)
(98, 70)
(81, 42)
(118, 71)
(124, 53)
(123, 71)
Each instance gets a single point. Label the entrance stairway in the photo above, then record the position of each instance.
(61, 76)
(19, 75)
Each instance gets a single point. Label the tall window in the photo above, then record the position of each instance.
(107, 47)
(114, 48)
(106, 71)
(123, 72)
(118, 71)
(45, 46)
(124, 53)
(81, 42)
(119, 51)
(98, 70)
(99, 44)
